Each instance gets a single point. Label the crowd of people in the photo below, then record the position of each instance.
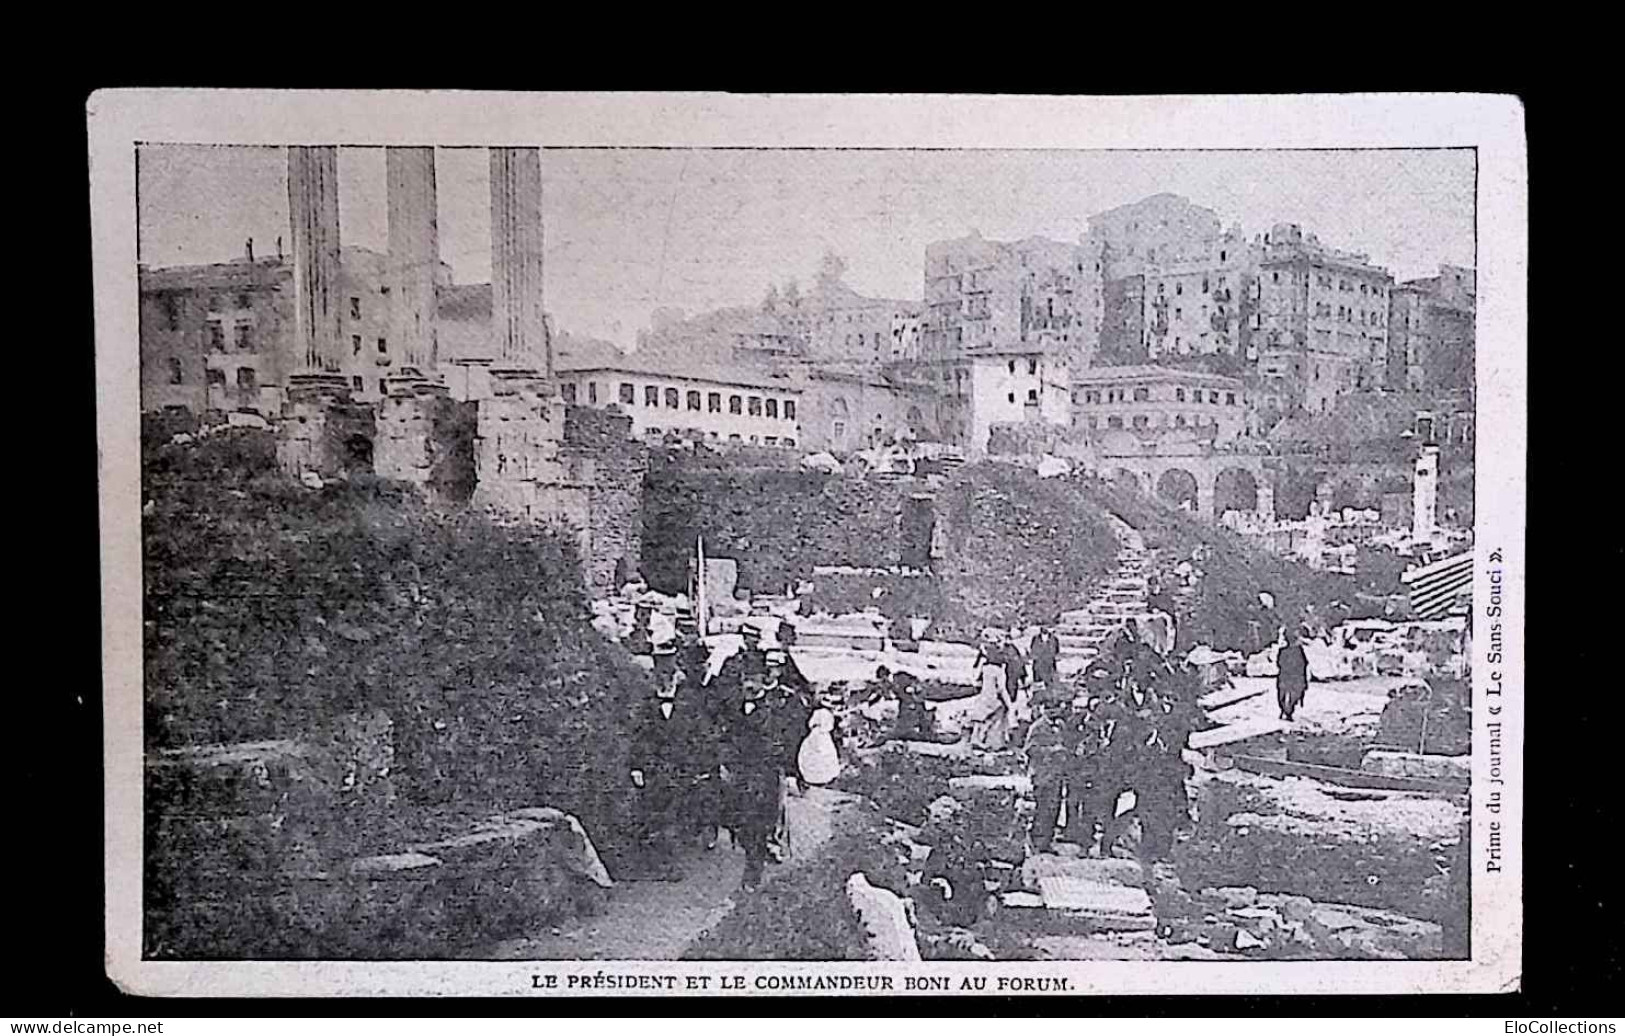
(718, 752)
(1122, 726)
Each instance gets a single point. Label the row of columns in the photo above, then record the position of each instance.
(518, 325)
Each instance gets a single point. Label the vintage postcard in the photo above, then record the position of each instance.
(706, 545)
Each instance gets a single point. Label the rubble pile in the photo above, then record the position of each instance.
(1294, 836)
(1271, 926)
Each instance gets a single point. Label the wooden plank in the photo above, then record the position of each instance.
(1233, 732)
(1347, 778)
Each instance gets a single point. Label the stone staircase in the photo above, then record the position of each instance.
(1120, 599)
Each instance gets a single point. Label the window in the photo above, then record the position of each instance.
(243, 302)
(1094, 423)
(246, 379)
(713, 402)
(770, 440)
(673, 399)
(1213, 397)
(1012, 397)
(355, 345)
(838, 430)
(651, 395)
(380, 386)
(1223, 255)
(383, 346)
(1179, 395)
(245, 336)
(568, 391)
(790, 410)
(772, 408)
(1142, 394)
(1179, 420)
(217, 337)
(753, 440)
(1091, 396)
(1275, 277)
(355, 308)
(358, 383)
(693, 399)
(1139, 420)
(1114, 422)
(1032, 366)
(627, 393)
(1032, 395)
(172, 312)
(734, 437)
(1230, 399)
(1012, 366)
(592, 392)
(789, 443)
(1179, 313)
(652, 430)
(736, 405)
(175, 373)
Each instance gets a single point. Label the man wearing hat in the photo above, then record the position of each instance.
(795, 710)
(756, 759)
(672, 756)
(639, 641)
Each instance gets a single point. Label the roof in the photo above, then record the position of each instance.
(1149, 372)
(584, 355)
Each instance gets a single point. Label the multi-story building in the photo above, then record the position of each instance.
(1159, 399)
(1174, 281)
(1431, 343)
(1319, 325)
(1015, 385)
(217, 336)
(1199, 307)
(731, 405)
(1159, 230)
(982, 295)
(905, 336)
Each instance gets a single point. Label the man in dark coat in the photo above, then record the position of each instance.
(673, 764)
(1049, 749)
(1046, 651)
(1292, 681)
(795, 704)
(754, 756)
(915, 721)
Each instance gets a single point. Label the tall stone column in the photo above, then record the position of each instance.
(424, 437)
(516, 261)
(313, 212)
(321, 432)
(414, 257)
(1425, 497)
(521, 423)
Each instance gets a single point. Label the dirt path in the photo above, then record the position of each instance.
(657, 920)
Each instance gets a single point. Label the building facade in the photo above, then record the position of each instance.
(982, 295)
(1319, 325)
(219, 337)
(843, 411)
(1432, 333)
(702, 404)
(1154, 399)
(1000, 386)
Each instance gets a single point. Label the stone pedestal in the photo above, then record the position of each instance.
(322, 430)
(519, 431)
(426, 438)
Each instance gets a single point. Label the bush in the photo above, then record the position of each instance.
(271, 609)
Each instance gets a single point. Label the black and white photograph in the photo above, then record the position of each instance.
(583, 567)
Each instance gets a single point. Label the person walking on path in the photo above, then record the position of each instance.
(672, 757)
(754, 759)
(1292, 679)
(991, 719)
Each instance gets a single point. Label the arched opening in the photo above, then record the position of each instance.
(1177, 487)
(358, 454)
(1235, 490)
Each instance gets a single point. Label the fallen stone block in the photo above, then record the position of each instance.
(884, 917)
(1412, 764)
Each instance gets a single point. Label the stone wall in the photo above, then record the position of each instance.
(598, 454)
(427, 439)
(327, 436)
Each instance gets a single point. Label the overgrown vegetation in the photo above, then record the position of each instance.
(1234, 573)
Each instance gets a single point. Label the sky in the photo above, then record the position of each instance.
(629, 231)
